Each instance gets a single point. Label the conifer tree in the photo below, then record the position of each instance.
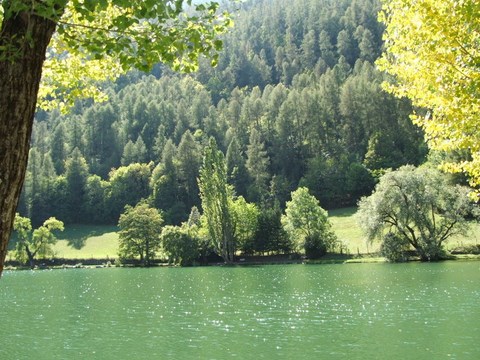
(257, 166)
(76, 174)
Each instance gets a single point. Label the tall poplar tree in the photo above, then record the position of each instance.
(216, 197)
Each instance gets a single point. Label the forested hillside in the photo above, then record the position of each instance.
(295, 100)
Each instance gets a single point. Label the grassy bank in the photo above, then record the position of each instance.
(101, 242)
(86, 241)
(349, 233)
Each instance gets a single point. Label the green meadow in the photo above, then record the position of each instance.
(349, 233)
(87, 242)
(101, 242)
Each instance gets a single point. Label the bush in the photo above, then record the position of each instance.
(179, 245)
(315, 247)
(394, 248)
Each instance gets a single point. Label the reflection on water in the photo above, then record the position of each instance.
(359, 311)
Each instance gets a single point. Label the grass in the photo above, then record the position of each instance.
(87, 241)
(473, 238)
(349, 233)
(101, 242)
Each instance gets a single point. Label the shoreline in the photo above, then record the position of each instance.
(56, 264)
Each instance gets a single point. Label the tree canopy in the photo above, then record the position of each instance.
(139, 234)
(37, 243)
(416, 207)
(307, 224)
(432, 51)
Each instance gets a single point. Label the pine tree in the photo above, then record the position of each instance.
(188, 161)
(76, 174)
(164, 183)
(257, 166)
(58, 148)
(236, 168)
(129, 153)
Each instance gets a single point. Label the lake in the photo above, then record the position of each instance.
(354, 311)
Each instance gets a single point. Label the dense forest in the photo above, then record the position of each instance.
(295, 100)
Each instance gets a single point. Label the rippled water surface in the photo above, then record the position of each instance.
(354, 311)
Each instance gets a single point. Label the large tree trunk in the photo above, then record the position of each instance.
(31, 257)
(147, 254)
(20, 74)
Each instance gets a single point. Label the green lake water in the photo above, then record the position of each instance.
(350, 311)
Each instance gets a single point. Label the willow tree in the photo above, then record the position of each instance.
(415, 208)
(76, 44)
(432, 51)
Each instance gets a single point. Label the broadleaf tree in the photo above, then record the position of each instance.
(417, 208)
(217, 196)
(139, 234)
(76, 44)
(39, 242)
(307, 224)
(432, 52)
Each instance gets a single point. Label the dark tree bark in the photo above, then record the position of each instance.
(31, 257)
(27, 35)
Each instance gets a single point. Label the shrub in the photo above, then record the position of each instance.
(315, 247)
(179, 245)
(394, 248)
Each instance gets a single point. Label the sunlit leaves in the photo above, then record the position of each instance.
(142, 33)
(433, 53)
(70, 77)
(139, 233)
(97, 40)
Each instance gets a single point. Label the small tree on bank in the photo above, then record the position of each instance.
(414, 207)
(270, 236)
(307, 224)
(246, 221)
(39, 242)
(139, 233)
(180, 245)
